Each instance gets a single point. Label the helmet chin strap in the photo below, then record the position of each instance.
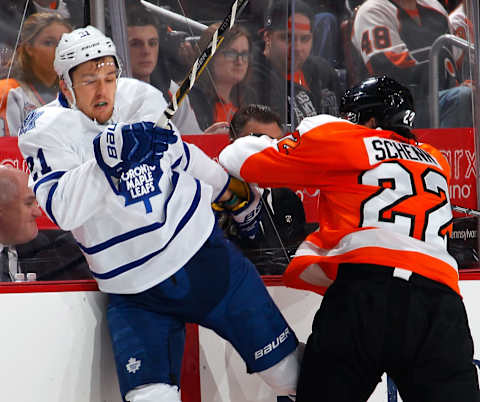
(68, 84)
(72, 104)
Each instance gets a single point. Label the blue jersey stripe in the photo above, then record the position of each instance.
(52, 176)
(119, 239)
(187, 155)
(133, 233)
(127, 267)
(223, 189)
(177, 162)
(48, 207)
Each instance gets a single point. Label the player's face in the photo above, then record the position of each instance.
(95, 84)
(281, 42)
(143, 45)
(42, 52)
(18, 216)
(231, 65)
(273, 130)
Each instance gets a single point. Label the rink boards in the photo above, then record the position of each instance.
(57, 347)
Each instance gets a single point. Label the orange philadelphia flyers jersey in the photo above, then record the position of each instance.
(383, 200)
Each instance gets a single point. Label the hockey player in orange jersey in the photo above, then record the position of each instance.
(393, 303)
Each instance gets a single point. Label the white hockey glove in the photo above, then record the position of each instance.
(120, 146)
(247, 214)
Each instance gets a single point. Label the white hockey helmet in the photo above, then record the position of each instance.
(79, 46)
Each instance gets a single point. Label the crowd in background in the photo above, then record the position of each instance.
(335, 45)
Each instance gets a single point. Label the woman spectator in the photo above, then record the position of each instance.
(223, 87)
(33, 81)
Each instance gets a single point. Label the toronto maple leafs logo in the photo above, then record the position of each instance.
(133, 365)
(29, 122)
(139, 183)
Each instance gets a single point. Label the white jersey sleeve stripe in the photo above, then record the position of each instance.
(48, 206)
(120, 239)
(187, 156)
(179, 160)
(133, 264)
(52, 176)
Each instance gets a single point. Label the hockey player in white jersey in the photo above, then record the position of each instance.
(138, 201)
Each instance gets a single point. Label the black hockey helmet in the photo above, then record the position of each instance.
(383, 98)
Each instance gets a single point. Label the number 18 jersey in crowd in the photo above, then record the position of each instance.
(383, 199)
(133, 240)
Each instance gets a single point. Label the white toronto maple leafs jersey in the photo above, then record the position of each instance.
(128, 248)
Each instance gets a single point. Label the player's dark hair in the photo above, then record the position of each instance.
(260, 113)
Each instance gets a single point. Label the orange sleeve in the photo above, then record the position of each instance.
(306, 159)
(5, 86)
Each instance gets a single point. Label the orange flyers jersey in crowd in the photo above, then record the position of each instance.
(383, 200)
(5, 86)
(388, 36)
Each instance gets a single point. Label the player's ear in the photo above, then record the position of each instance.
(371, 123)
(267, 38)
(65, 90)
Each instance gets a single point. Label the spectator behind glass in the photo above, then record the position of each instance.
(224, 86)
(149, 62)
(326, 30)
(12, 12)
(463, 28)
(316, 87)
(50, 254)
(34, 81)
(18, 208)
(18, 211)
(282, 219)
(395, 37)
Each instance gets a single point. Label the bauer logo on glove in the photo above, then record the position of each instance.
(120, 145)
(247, 215)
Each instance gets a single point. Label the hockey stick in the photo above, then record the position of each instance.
(198, 67)
(202, 61)
(466, 211)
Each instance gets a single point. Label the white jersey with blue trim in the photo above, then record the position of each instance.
(128, 248)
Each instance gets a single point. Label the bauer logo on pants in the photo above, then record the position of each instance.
(272, 345)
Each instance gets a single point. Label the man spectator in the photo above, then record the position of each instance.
(463, 28)
(150, 54)
(316, 86)
(282, 219)
(394, 37)
(50, 254)
(18, 211)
